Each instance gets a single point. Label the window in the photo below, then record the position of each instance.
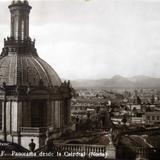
(38, 113)
(153, 118)
(16, 28)
(22, 30)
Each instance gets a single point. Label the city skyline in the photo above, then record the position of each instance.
(92, 39)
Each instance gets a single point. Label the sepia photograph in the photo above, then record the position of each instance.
(80, 79)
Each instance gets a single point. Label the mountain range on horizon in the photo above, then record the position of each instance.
(119, 81)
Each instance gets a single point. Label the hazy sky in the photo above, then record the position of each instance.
(94, 38)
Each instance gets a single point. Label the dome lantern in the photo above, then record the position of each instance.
(20, 19)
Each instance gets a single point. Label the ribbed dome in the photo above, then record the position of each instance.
(19, 62)
(17, 69)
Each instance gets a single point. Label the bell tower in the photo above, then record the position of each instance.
(20, 19)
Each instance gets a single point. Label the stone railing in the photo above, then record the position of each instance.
(101, 150)
(82, 148)
(11, 40)
(33, 129)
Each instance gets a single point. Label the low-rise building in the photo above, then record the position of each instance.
(137, 120)
(152, 117)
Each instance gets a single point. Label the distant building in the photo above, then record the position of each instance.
(137, 120)
(137, 107)
(152, 117)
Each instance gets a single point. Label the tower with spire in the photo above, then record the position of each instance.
(33, 100)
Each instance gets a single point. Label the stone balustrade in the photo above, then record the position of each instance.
(33, 129)
(89, 150)
(12, 41)
(83, 148)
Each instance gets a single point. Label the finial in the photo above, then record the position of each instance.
(13, 1)
(25, 1)
(19, 1)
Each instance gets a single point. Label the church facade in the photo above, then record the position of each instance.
(32, 97)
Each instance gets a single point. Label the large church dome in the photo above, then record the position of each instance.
(19, 61)
(26, 69)
(33, 101)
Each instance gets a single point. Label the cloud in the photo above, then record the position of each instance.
(95, 39)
